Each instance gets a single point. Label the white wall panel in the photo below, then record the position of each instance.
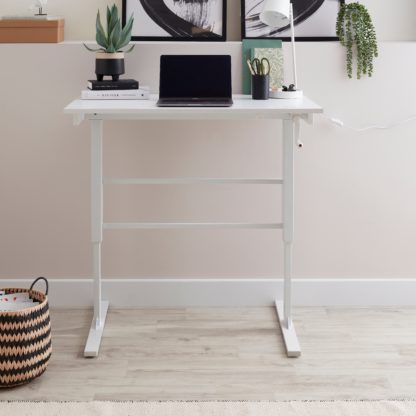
(355, 192)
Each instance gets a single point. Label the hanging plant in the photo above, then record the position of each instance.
(356, 32)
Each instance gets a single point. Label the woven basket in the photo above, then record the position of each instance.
(25, 339)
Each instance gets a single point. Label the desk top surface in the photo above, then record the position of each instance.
(243, 106)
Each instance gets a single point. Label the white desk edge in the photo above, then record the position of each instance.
(244, 107)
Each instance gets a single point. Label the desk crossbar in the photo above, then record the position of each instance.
(191, 181)
(180, 225)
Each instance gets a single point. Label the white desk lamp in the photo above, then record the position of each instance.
(279, 13)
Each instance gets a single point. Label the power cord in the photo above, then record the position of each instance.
(340, 123)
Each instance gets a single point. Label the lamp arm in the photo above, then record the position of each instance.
(292, 26)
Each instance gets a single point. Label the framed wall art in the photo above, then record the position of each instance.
(177, 20)
(315, 20)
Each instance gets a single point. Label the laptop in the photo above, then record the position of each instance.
(195, 81)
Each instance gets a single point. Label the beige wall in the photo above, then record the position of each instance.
(394, 19)
(355, 192)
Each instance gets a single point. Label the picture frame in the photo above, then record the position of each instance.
(315, 21)
(155, 21)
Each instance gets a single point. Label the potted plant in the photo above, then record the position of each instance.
(110, 56)
(356, 31)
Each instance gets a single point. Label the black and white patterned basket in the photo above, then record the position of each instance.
(25, 339)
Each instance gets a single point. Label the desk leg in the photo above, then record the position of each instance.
(100, 307)
(284, 309)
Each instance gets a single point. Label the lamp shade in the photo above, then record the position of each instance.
(276, 13)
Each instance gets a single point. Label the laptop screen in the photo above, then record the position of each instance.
(202, 76)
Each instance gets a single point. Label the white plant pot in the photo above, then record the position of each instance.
(286, 95)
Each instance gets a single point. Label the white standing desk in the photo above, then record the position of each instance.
(96, 111)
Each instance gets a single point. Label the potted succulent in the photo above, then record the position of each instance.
(356, 32)
(110, 56)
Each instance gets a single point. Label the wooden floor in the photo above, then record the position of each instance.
(231, 354)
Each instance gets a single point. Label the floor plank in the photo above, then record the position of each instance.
(231, 354)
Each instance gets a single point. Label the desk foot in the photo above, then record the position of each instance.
(96, 332)
(289, 334)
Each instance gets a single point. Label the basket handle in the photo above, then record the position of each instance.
(37, 280)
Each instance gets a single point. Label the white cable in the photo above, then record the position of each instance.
(340, 123)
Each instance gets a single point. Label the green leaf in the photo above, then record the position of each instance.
(129, 49)
(126, 33)
(101, 37)
(114, 38)
(111, 23)
(92, 49)
(108, 14)
(111, 49)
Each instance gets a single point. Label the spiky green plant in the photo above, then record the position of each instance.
(356, 31)
(116, 37)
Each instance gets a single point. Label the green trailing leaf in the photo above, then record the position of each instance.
(93, 49)
(115, 37)
(356, 32)
(129, 49)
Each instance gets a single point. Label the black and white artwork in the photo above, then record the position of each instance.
(314, 20)
(194, 20)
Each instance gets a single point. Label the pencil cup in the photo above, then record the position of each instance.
(260, 85)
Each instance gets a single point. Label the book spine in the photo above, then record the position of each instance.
(141, 94)
(105, 87)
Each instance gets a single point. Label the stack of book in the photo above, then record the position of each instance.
(15, 301)
(123, 89)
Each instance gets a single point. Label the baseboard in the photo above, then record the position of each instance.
(166, 293)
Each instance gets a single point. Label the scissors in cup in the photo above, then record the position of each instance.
(259, 67)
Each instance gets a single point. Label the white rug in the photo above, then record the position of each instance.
(336, 408)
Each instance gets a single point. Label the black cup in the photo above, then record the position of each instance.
(260, 85)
